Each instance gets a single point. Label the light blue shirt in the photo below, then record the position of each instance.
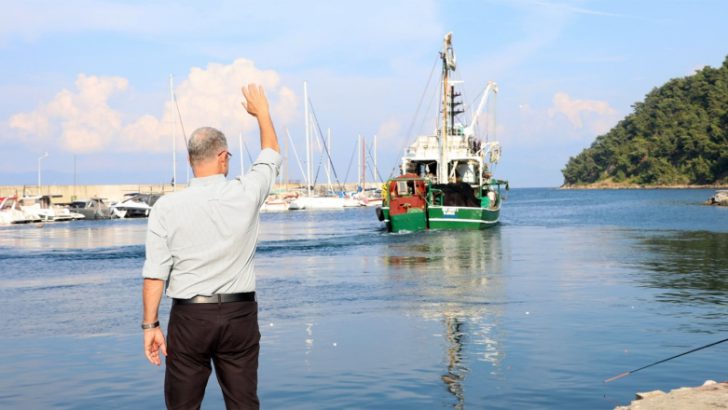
(202, 240)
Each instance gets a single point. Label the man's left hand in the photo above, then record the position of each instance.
(153, 344)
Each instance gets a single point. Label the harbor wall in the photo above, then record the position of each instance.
(68, 193)
(113, 193)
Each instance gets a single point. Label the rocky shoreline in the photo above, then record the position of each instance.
(709, 396)
(614, 185)
(720, 198)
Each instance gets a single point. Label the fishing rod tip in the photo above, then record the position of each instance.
(619, 376)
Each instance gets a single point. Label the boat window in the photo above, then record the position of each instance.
(402, 188)
(467, 173)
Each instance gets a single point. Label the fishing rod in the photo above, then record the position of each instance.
(619, 376)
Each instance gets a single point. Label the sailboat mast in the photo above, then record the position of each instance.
(363, 163)
(285, 164)
(328, 163)
(358, 160)
(174, 137)
(308, 142)
(376, 168)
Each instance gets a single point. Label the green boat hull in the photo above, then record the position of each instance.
(442, 217)
(452, 217)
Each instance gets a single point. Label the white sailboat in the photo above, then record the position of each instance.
(311, 201)
(367, 196)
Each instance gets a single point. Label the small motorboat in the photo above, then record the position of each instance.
(94, 208)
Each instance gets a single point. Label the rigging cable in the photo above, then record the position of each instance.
(417, 112)
(351, 161)
(179, 115)
(326, 149)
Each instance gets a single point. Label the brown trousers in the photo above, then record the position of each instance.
(226, 334)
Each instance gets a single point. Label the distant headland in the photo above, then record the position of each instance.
(676, 138)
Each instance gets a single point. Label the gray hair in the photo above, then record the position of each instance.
(205, 143)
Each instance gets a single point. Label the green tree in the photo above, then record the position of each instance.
(677, 135)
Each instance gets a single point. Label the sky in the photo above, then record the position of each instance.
(88, 82)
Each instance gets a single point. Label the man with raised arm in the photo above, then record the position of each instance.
(201, 244)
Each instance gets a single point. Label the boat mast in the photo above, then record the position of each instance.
(358, 160)
(285, 164)
(174, 139)
(363, 164)
(308, 143)
(328, 163)
(376, 168)
(448, 63)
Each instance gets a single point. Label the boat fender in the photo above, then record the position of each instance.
(491, 197)
(380, 214)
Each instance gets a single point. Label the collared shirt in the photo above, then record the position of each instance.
(202, 240)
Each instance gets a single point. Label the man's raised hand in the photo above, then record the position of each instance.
(255, 102)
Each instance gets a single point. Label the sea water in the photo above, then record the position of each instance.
(572, 287)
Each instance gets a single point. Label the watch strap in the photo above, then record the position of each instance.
(147, 326)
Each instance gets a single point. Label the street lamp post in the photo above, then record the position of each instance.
(45, 154)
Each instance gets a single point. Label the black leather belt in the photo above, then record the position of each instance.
(217, 298)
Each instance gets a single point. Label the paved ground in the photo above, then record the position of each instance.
(709, 396)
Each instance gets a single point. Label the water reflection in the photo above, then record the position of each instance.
(74, 235)
(455, 370)
(690, 266)
(455, 277)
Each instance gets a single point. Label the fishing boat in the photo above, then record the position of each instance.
(446, 177)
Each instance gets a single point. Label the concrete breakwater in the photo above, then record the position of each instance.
(69, 193)
(709, 396)
(113, 193)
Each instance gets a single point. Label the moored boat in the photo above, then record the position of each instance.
(446, 178)
(94, 208)
(136, 205)
(11, 213)
(276, 203)
(42, 206)
(323, 203)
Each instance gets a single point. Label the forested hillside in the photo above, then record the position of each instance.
(677, 136)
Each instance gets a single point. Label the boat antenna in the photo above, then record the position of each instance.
(619, 376)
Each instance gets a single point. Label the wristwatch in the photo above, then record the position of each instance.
(146, 326)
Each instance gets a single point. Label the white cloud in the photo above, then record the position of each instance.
(567, 121)
(594, 115)
(389, 129)
(82, 121)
